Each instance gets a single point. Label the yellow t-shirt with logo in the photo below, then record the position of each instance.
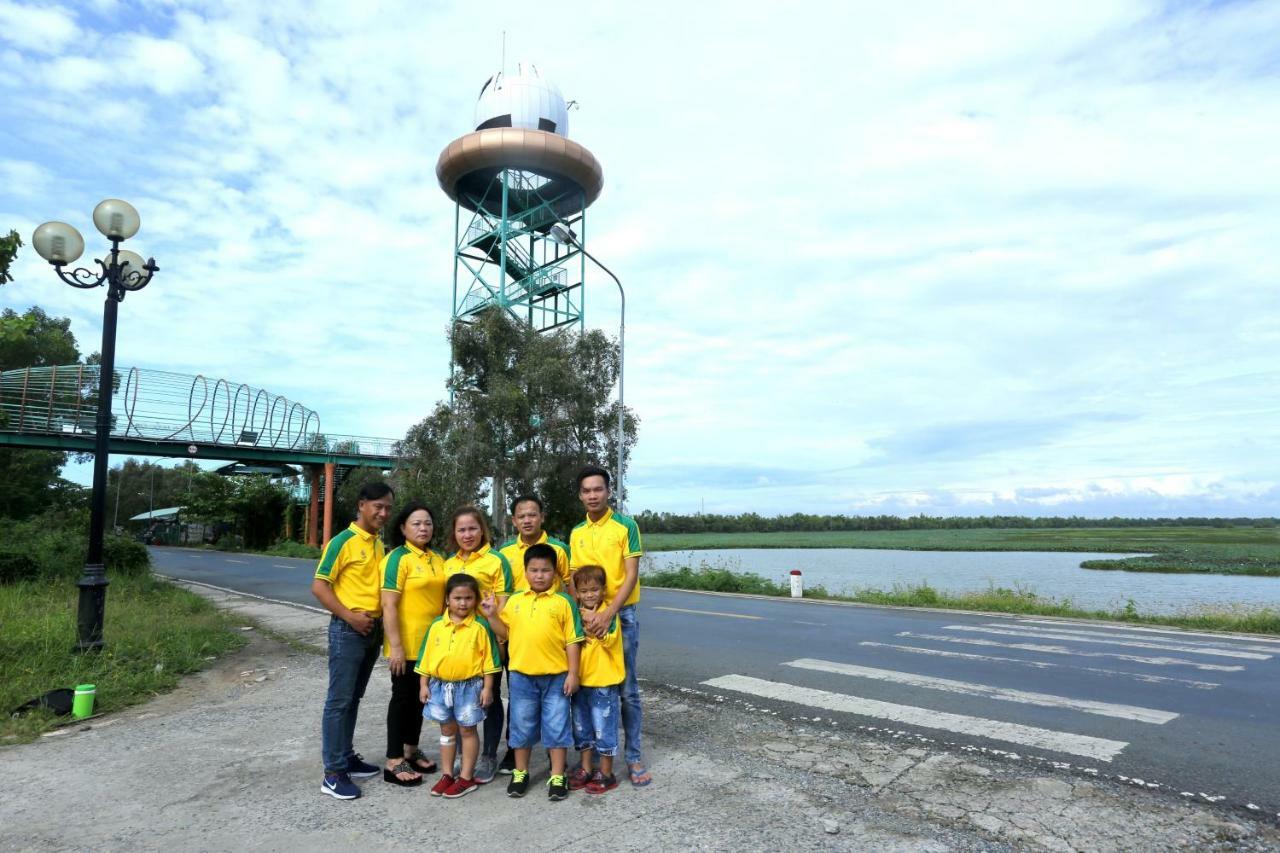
(490, 569)
(602, 664)
(458, 651)
(540, 625)
(514, 552)
(607, 543)
(419, 578)
(350, 565)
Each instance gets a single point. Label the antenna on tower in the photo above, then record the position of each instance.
(504, 53)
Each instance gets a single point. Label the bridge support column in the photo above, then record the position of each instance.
(313, 511)
(329, 469)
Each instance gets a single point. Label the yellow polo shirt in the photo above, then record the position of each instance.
(540, 626)
(602, 664)
(490, 569)
(350, 565)
(419, 578)
(607, 543)
(458, 651)
(514, 552)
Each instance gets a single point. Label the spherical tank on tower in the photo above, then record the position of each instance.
(513, 178)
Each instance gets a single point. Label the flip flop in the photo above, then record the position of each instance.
(393, 775)
(639, 775)
(421, 763)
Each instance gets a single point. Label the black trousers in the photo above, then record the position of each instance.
(494, 717)
(404, 712)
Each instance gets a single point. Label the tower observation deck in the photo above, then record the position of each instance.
(512, 178)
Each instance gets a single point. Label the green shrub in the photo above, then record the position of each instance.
(55, 546)
(17, 566)
(289, 548)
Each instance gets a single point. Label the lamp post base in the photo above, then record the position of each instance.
(93, 604)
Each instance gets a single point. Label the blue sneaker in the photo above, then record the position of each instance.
(339, 785)
(358, 768)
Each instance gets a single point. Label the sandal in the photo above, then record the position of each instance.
(393, 775)
(578, 778)
(639, 775)
(421, 763)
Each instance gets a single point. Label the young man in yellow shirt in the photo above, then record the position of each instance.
(612, 540)
(348, 584)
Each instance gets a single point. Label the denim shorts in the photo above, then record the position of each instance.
(455, 700)
(596, 715)
(539, 711)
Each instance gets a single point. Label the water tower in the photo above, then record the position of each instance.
(512, 178)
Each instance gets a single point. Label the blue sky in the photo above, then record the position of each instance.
(1005, 257)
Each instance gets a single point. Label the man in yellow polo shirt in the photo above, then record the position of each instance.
(612, 540)
(528, 516)
(348, 584)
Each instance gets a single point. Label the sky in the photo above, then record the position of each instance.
(904, 258)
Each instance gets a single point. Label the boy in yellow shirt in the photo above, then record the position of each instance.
(543, 631)
(597, 704)
(457, 663)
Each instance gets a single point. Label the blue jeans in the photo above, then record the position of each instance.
(351, 659)
(632, 716)
(456, 701)
(595, 719)
(539, 711)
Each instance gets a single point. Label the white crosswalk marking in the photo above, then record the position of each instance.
(1041, 664)
(1100, 749)
(1004, 694)
(1174, 632)
(1063, 650)
(1107, 635)
(1012, 631)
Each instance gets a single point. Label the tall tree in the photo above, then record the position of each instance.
(8, 251)
(529, 409)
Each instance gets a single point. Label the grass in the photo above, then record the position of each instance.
(1219, 550)
(993, 599)
(155, 633)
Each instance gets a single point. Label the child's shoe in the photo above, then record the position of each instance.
(460, 788)
(578, 778)
(557, 788)
(519, 783)
(600, 783)
(444, 783)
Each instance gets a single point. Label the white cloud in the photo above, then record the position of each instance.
(40, 29)
(924, 255)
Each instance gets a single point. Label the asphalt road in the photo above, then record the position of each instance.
(1190, 712)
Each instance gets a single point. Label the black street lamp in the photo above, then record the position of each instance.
(123, 271)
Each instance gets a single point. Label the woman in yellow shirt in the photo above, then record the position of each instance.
(413, 579)
(473, 553)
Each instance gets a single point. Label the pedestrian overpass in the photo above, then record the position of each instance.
(158, 413)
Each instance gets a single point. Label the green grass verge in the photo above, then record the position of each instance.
(155, 633)
(1219, 550)
(993, 599)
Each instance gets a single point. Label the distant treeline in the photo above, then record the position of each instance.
(668, 522)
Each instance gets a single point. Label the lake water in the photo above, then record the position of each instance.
(1051, 574)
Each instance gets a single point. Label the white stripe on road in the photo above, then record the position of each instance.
(1063, 650)
(1224, 644)
(1100, 749)
(281, 566)
(1041, 664)
(1012, 631)
(708, 613)
(1103, 709)
(1175, 632)
(241, 562)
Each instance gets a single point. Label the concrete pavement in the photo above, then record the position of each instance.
(230, 760)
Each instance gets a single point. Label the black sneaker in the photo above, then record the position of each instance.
(557, 788)
(508, 763)
(519, 783)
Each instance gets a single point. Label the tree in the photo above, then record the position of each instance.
(31, 481)
(253, 506)
(529, 409)
(139, 485)
(8, 251)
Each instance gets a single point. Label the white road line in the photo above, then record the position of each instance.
(1168, 647)
(709, 613)
(1041, 664)
(241, 562)
(817, 624)
(1063, 650)
(1100, 749)
(1106, 635)
(1174, 632)
(1103, 709)
(281, 566)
